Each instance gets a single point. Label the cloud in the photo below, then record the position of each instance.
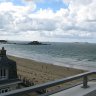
(36, 25)
(76, 21)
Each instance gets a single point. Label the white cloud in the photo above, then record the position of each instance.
(77, 21)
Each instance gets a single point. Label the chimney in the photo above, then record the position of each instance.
(2, 52)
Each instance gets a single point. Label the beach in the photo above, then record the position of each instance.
(39, 72)
(81, 56)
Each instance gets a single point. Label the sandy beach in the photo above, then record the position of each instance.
(42, 72)
(39, 72)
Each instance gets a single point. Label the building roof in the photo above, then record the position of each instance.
(9, 64)
(10, 82)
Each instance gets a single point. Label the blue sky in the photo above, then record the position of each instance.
(17, 2)
(48, 20)
(52, 4)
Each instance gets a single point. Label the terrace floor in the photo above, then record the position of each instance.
(79, 91)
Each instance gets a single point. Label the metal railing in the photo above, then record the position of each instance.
(50, 84)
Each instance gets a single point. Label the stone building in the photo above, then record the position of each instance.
(8, 73)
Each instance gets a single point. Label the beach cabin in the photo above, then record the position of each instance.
(8, 73)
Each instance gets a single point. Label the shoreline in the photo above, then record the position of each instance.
(54, 63)
(40, 73)
(28, 63)
(55, 56)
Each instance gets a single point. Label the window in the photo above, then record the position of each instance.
(4, 90)
(3, 74)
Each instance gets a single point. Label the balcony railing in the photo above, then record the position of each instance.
(51, 84)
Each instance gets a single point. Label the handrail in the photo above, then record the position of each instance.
(50, 84)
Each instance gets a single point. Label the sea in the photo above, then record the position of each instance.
(74, 55)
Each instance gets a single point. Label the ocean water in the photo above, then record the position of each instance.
(75, 55)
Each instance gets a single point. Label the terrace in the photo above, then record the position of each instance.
(88, 87)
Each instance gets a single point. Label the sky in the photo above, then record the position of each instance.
(48, 20)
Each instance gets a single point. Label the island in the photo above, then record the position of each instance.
(36, 43)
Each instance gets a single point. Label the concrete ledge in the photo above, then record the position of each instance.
(77, 91)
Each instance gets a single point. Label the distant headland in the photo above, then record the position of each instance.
(3, 41)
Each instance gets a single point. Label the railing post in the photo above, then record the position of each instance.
(85, 82)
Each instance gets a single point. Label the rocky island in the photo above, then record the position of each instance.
(36, 43)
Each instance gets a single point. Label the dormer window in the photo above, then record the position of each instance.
(3, 74)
